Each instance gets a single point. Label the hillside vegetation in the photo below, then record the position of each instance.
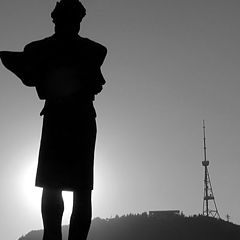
(146, 227)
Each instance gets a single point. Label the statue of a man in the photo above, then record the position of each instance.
(65, 69)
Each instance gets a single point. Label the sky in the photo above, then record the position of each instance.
(171, 64)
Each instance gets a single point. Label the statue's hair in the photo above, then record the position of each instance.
(68, 11)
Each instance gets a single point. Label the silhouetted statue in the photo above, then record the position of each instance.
(65, 69)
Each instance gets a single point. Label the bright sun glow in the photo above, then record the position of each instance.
(32, 195)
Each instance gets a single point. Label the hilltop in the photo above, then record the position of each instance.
(146, 227)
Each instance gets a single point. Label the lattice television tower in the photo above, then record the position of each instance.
(209, 204)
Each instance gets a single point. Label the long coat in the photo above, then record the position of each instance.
(66, 73)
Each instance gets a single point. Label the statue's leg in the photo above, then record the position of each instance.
(52, 212)
(81, 215)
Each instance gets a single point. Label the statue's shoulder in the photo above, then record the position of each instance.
(94, 46)
(96, 50)
(38, 45)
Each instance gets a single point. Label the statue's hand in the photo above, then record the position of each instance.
(3, 54)
(14, 61)
(6, 56)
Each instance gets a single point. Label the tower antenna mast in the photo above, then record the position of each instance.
(209, 204)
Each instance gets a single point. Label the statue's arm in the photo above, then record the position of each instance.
(99, 76)
(16, 63)
(101, 54)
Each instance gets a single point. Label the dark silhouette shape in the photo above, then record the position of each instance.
(65, 69)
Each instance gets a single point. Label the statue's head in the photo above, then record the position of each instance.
(67, 15)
